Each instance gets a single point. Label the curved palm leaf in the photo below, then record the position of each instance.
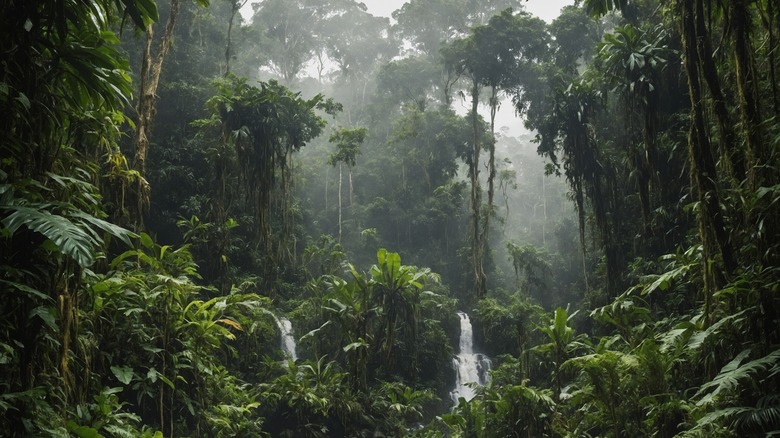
(732, 374)
(71, 239)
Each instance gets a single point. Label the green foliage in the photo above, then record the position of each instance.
(105, 332)
(72, 236)
(519, 410)
(64, 84)
(598, 8)
(506, 327)
(177, 339)
(733, 374)
(265, 126)
(562, 344)
(386, 326)
(532, 270)
(633, 62)
(348, 143)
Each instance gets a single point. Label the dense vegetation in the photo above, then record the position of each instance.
(174, 178)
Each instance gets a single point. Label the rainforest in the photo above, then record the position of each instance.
(299, 218)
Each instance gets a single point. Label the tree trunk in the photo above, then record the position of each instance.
(730, 148)
(327, 180)
(711, 221)
(235, 7)
(340, 178)
(491, 173)
(351, 189)
(477, 250)
(747, 88)
(147, 99)
(768, 18)
(544, 211)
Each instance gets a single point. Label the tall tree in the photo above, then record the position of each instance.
(747, 80)
(348, 143)
(147, 100)
(495, 56)
(459, 59)
(428, 24)
(633, 60)
(288, 34)
(266, 125)
(235, 8)
(712, 221)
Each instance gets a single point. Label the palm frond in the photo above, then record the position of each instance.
(70, 238)
(733, 373)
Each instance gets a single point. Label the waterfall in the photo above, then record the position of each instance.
(469, 367)
(288, 341)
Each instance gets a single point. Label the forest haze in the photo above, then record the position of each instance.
(313, 222)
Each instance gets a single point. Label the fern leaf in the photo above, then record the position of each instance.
(698, 339)
(765, 416)
(733, 373)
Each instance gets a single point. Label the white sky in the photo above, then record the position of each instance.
(547, 10)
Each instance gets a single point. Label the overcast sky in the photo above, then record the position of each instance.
(547, 10)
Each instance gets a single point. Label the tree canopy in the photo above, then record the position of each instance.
(609, 256)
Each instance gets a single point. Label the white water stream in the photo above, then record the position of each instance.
(288, 341)
(470, 367)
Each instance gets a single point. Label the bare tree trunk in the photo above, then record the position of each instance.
(327, 180)
(351, 189)
(235, 7)
(544, 210)
(491, 167)
(340, 178)
(147, 99)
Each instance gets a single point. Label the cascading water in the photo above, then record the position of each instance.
(470, 367)
(288, 341)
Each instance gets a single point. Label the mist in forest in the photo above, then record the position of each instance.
(426, 218)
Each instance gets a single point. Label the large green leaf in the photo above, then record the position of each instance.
(142, 12)
(70, 238)
(72, 235)
(30, 292)
(47, 315)
(124, 374)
